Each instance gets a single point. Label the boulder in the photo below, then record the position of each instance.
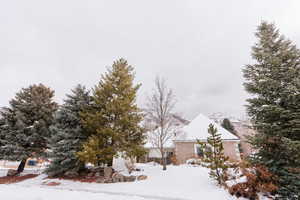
(91, 174)
(12, 172)
(129, 178)
(142, 177)
(100, 180)
(71, 174)
(108, 180)
(108, 172)
(118, 178)
(97, 169)
(98, 174)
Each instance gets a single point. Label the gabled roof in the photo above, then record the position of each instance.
(198, 129)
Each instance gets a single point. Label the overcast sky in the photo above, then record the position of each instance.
(199, 46)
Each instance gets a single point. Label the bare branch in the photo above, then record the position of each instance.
(159, 108)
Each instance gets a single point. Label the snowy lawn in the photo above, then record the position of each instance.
(177, 183)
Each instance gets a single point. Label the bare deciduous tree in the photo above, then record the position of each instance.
(160, 106)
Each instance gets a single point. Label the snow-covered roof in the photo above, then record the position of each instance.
(169, 144)
(198, 129)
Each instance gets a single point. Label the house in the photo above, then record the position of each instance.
(186, 147)
(243, 129)
(183, 145)
(154, 153)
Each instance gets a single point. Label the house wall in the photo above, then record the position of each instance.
(243, 132)
(186, 150)
(231, 149)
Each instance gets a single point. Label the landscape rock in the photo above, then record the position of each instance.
(129, 178)
(71, 174)
(100, 180)
(12, 172)
(108, 172)
(91, 174)
(108, 180)
(142, 177)
(98, 174)
(118, 178)
(97, 169)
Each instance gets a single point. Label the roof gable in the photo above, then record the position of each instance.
(198, 129)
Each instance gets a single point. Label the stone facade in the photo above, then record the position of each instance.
(186, 150)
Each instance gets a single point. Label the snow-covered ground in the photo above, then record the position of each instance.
(177, 183)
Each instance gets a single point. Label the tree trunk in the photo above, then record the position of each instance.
(163, 160)
(164, 164)
(22, 166)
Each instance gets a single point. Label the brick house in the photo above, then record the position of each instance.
(186, 146)
(184, 143)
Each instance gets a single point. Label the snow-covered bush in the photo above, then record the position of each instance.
(194, 161)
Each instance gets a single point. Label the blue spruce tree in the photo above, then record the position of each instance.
(68, 134)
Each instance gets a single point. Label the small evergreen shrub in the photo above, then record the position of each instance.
(214, 157)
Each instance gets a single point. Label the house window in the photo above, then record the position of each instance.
(199, 151)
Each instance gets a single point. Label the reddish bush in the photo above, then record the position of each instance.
(259, 179)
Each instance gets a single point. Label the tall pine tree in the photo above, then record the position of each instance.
(67, 134)
(274, 82)
(27, 123)
(114, 120)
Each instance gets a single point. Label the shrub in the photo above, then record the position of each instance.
(259, 179)
(214, 157)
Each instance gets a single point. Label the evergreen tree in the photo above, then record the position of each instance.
(274, 82)
(68, 134)
(214, 157)
(27, 123)
(2, 132)
(113, 121)
(228, 126)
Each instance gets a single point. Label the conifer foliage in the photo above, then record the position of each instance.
(228, 126)
(113, 121)
(25, 129)
(214, 157)
(68, 135)
(274, 82)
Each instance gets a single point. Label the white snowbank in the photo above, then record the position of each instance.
(178, 182)
(9, 192)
